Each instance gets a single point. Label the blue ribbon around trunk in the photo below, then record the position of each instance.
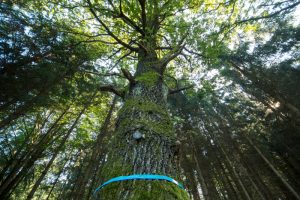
(139, 177)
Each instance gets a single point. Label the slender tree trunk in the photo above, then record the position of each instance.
(275, 171)
(65, 186)
(187, 166)
(26, 161)
(64, 139)
(232, 187)
(268, 89)
(86, 176)
(28, 158)
(207, 171)
(202, 180)
(23, 149)
(254, 177)
(45, 171)
(144, 141)
(235, 174)
(56, 180)
(96, 174)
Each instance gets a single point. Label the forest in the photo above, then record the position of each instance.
(204, 94)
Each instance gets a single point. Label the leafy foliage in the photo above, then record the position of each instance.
(238, 126)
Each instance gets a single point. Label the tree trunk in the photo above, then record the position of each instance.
(26, 161)
(64, 139)
(187, 166)
(232, 187)
(11, 170)
(57, 178)
(144, 141)
(81, 185)
(97, 173)
(276, 172)
(235, 174)
(268, 89)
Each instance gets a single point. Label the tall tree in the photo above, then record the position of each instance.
(58, 53)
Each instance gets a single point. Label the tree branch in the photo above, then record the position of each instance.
(121, 58)
(270, 15)
(180, 89)
(193, 52)
(164, 48)
(111, 88)
(108, 31)
(143, 14)
(170, 56)
(99, 74)
(128, 75)
(173, 53)
(128, 21)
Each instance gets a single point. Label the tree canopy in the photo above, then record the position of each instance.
(229, 71)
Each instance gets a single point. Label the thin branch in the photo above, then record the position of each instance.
(270, 15)
(173, 53)
(115, 52)
(170, 56)
(102, 41)
(274, 4)
(108, 30)
(164, 48)
(180, 89)
(99, 74)
(193, 52)
(164, 37)
(111, 88)
(120, 59)
(83, 34)
(128, 21)
(143, 14)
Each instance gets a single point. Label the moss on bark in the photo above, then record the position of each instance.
(147, 115)
(144, 111)
(148, 78)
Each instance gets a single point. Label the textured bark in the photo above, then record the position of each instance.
(155, 152)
